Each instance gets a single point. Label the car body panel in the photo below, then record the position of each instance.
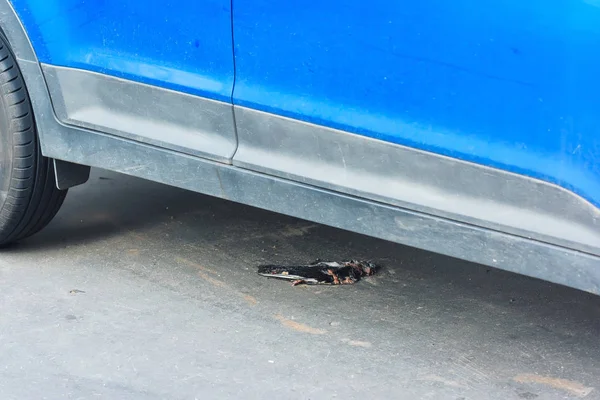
(179, 46)
(183, 45)
(511, 85)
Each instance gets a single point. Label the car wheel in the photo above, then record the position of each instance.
(29, 198)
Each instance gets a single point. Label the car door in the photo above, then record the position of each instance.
(156, 71)
(444, 107)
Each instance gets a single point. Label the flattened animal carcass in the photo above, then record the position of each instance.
(321, 272)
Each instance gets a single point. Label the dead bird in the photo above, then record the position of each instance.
(321, 272)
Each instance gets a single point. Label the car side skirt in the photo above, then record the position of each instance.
(415, 179)
(324, 157)
(144, 113)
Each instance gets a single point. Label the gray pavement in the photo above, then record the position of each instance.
(142, 291)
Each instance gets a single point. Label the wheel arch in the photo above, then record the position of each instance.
(15, 33)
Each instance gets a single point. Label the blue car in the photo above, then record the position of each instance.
(466, 128)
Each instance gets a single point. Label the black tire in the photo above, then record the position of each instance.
(29, 198)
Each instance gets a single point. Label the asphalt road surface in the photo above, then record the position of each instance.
(142, 291)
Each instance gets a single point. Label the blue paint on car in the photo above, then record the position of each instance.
(511, 84)
(181, 45)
